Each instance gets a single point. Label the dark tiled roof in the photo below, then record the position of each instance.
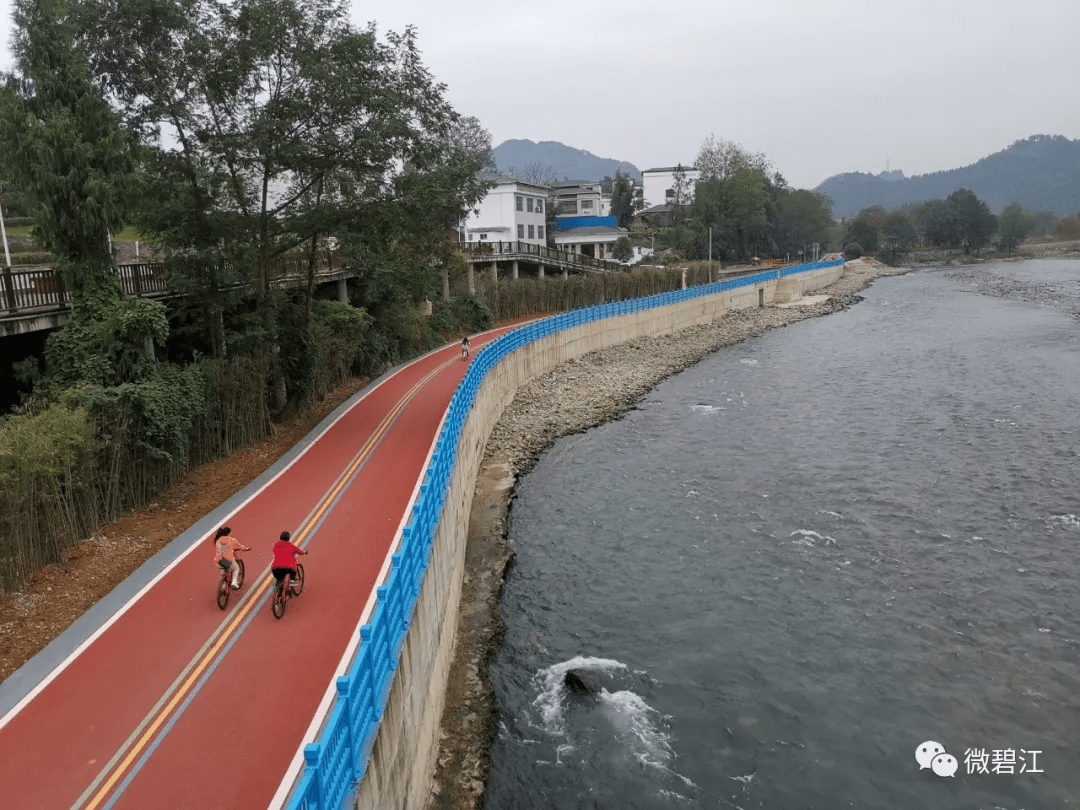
(687, 167)
(499, 177)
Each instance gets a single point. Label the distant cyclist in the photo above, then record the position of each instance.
(225, 548)
(284, 563)
(465, 348)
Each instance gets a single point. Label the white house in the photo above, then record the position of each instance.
(513, 210)
(659, 184)
(584, 219)
(597, 241)
(581, 198)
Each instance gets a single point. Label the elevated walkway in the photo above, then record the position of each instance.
(34, 298)
(514, 253)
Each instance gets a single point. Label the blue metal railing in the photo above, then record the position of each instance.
(336, 762)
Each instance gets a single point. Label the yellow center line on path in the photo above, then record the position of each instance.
(202, 660)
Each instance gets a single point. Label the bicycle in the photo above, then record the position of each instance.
(465, 352)
(225, 586)
(284, 591)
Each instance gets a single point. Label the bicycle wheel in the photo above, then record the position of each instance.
(299, 589)
(277, 604)
(223, 592)
(240, 573)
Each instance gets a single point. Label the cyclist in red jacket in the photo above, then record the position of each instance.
(284, 563)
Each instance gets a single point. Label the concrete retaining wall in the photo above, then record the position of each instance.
(402, 762)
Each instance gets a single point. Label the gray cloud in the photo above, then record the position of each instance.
(818, 86)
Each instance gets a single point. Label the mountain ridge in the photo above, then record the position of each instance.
(567, 162)
(1042, 172)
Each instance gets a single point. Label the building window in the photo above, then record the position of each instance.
(483, 237)
(532, 235)
(521, 230)
(528, 204)
(586, 205)
(470, 237)
(519, 204)
(539, 206)
(669, 193)
(540, 231)
(568, 207)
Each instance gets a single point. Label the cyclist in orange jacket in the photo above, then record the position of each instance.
(225, 549)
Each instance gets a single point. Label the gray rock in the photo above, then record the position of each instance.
(582, 683)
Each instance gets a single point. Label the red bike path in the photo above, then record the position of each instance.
(173, 703)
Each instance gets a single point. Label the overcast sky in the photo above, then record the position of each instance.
(819, 86)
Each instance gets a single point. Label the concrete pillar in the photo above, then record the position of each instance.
(565, 271)
(472, 280)
(342, 291)
(684, 279)
(494, 272)
(541, 271)
(514, 272)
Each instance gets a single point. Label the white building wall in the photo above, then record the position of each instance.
(496, 217)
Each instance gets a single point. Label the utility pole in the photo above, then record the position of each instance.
(3, 233)
(710, 254)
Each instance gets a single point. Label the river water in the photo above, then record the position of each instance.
(800, 560)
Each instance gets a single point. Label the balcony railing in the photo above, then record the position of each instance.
(510, 250)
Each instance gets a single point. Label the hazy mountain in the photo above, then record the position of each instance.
(1041, 172)
(568, 163)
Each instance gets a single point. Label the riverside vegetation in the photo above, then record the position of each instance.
(71, 466)
(296, 134)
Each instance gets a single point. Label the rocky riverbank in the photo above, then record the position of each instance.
(574, 397)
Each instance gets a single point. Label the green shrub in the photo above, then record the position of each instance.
(47, 489)
(852, 250)
(31, 258)
(18, 222)
(340, 331)
(474, 314)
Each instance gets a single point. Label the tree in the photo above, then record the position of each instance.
(681, 195)
(535, 172)
(898, 234)
(622, 199)
(74, 167)
(974, 224)
(1016, 224)
(623, 250)
(866, 228)
(934, 223)
(287, 125)
(471, 142)
(1068, 228)
(1044, 223)
(732, 197)
(802, 217)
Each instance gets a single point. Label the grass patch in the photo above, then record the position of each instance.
(129, 234)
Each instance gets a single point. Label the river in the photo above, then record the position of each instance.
(809, 558)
